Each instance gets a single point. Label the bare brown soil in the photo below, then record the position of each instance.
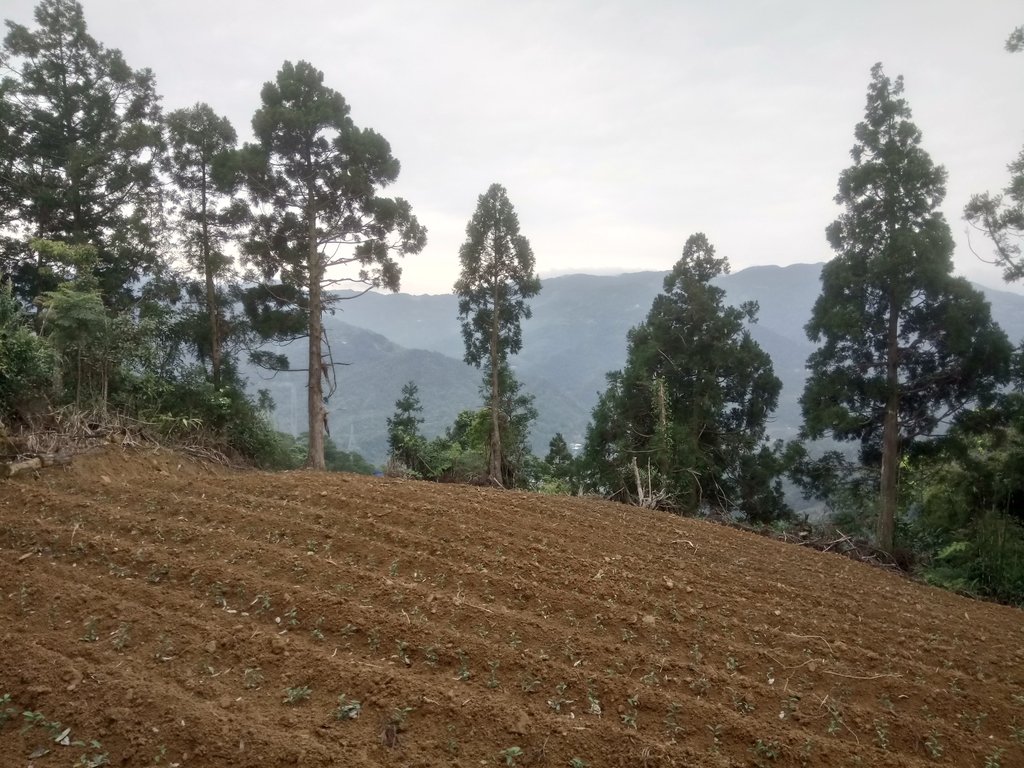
(167, 610)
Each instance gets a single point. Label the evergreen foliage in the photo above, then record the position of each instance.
(515, 414)
(91, 342)
(967, 493)
(323, 226)
(904, 344)
(336, 460)
(184, 405)
(201, 163)
(108, 310)
(26, 361)
(1015, 42)
(83, 140)
(688, 412)
(405, 442)
(560, 470)
(1001, 217)
(460, 455)
(494, 286)
(559, 457)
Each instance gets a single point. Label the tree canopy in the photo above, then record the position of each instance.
(201, 150)
(684, 422)
(904, 345)
(496, 281)
(316, 176)
(1000, 217)
(81, 159)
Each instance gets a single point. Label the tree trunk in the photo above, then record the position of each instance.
(495, 458)
(317, 409)
(663, 446)
(211, 292)
(104, 388)
(890, 436)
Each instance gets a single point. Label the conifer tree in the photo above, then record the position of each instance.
(559, 454)
(516, 413)
(201, 147)
(82, 167)
(904, 344)
(688, 413)
(405, 442)
(559, 460)
(496, 281)
(322, 224)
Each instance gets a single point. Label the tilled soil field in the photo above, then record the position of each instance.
(172, 614)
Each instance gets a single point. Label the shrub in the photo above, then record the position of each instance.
(188, 406)
(27, 362)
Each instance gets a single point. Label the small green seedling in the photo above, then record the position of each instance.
(510, 754)
(347, 709)
(297, 694)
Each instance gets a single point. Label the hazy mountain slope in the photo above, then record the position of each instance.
(368, 385)
(576, 335)
(418, 322)
(371, 379)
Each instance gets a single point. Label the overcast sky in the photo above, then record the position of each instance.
(618, 128)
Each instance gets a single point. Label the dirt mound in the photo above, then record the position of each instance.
(173, 614)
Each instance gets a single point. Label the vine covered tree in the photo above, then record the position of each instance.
(80, 162)
(683, 424)
(904, 345)
(322, 226)
(494, 286)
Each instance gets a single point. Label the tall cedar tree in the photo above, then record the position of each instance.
(82, 165)
(323, 225)
(691, 405)
(201, 149)
(496, 281)
(904, 344)
(1001, 217)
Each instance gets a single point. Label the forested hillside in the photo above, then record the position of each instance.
(576, 336)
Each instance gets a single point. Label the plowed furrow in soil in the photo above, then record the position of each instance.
(177, 613)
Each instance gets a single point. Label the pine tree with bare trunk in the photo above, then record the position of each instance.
(321, 225)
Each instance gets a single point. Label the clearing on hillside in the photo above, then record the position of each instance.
(174, 614)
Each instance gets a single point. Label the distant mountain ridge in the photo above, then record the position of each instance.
(576, 335)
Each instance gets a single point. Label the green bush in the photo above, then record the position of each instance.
(189, 406)
(27, 362)
(965, 501)
(988, 561)
(335, 459)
